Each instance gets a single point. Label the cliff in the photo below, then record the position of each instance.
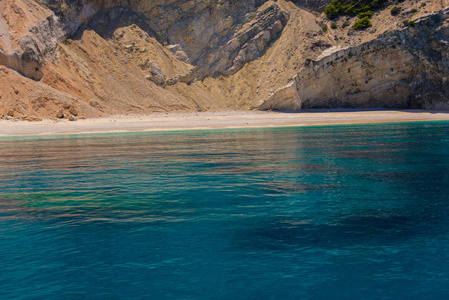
(403, 67)
(81, 58)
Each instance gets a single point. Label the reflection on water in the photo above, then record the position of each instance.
(321, 213)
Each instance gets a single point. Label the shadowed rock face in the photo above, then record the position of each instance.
(315, 5)
(232, 48)
(217, 37)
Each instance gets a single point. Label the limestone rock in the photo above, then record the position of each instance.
(247, 44)
(285, 98)
(399, 69)
(129, 47)
(73, 111)
(156, 74)
(34, 118)
(179, 53)
(60, 114)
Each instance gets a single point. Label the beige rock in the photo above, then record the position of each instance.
(129, 48)
(156, 74)
(34, 118)
(60, 114)
(285, 98)
(73, 111)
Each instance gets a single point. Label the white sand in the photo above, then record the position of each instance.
(217, 120)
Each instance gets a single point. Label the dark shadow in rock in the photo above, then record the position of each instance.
(107, 21)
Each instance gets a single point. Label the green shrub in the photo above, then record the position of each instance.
(324, 28)
(334, 26)
(377, 4)
(352, 8)
(362, 24)
(345, 24)
(331, 11)
(414, 10)
(336, 8)
(395, 10)
(368, 14)
(409, 23)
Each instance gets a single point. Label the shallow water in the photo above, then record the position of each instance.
(350, 212)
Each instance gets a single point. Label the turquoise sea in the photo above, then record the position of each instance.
(346, 212)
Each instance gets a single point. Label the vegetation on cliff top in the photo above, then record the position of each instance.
(362, 8)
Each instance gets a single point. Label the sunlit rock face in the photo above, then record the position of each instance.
(406, 68)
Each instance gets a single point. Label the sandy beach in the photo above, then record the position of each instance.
(217, 120)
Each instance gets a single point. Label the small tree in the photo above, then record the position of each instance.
(331, 11)
(362, 24)
(395, 10)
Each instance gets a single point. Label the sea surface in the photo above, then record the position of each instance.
(345, 212)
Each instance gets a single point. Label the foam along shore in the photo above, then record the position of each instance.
(217, 120)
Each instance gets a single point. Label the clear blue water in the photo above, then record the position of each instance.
(350, 212)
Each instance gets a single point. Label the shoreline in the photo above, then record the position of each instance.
(217, 120)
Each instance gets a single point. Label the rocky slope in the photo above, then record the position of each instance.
(81, 58)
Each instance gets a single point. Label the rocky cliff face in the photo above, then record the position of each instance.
(401, 68)
(105, 57)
